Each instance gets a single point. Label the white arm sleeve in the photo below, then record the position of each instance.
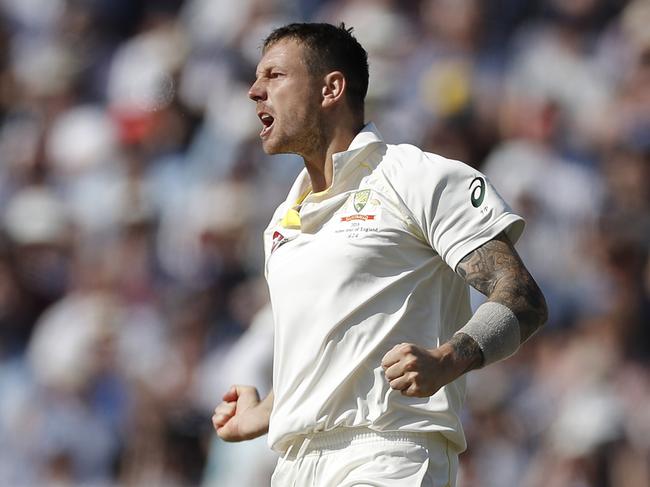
(456, 207)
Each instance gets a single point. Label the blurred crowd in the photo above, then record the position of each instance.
(133, 194)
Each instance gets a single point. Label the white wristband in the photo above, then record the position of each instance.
(496, 330)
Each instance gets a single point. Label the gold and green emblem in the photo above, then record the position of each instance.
(360, 199)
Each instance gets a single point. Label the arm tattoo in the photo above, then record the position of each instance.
(496, 270)
(468, 350)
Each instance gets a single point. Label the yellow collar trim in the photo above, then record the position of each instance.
(291, 218)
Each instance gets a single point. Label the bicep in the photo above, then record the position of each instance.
(484, 267)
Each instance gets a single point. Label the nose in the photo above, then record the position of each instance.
(257, 91)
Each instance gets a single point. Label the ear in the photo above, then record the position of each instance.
(333, 88)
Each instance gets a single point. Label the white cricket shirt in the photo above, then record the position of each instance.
(363, 266)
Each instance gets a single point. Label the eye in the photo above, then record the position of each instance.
(276, 74)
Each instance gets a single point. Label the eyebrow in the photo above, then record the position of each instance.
(266, 69)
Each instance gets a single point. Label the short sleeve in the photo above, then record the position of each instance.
(456, 206)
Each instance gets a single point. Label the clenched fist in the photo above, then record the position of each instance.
(241, 415)
(418, 372)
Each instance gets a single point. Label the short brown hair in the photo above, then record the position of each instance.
(330, 48)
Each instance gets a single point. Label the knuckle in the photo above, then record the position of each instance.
(416, 380)
(410, 363)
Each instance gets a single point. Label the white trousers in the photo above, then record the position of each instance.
(360, 457)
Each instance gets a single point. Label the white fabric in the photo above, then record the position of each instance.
(350, 283)
(358, 457)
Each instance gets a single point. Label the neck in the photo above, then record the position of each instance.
(319, 165)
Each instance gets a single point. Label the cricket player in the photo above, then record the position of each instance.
(368, 263)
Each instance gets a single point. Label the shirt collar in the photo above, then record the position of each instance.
(342, 163)
(365, 139)
(368, 135)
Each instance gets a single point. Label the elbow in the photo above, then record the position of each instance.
(543, 311)
(538, 309)
(539, 302)
(532, 312)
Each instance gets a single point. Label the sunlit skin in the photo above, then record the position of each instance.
(310, 113)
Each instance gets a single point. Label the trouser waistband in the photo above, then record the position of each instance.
(342, 437)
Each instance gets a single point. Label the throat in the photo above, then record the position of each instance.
(323, 144)
(321, 175)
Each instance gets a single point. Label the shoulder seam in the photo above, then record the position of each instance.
(422, 234)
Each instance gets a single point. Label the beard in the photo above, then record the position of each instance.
(304, 134)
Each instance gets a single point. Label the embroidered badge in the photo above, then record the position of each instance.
(365, 218)
(360, 199)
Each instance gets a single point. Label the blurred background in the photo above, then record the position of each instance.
(133, 193)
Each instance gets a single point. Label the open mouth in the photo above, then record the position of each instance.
(267, 121)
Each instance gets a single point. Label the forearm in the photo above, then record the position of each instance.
(492, 334)
(515, 308)
(523, 297)
(460, 354)
(496, 270)
(466, 353)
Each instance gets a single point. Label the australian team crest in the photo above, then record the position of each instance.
(360, 200)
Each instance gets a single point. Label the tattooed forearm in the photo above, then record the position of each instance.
(496, 270)
(467, 351)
